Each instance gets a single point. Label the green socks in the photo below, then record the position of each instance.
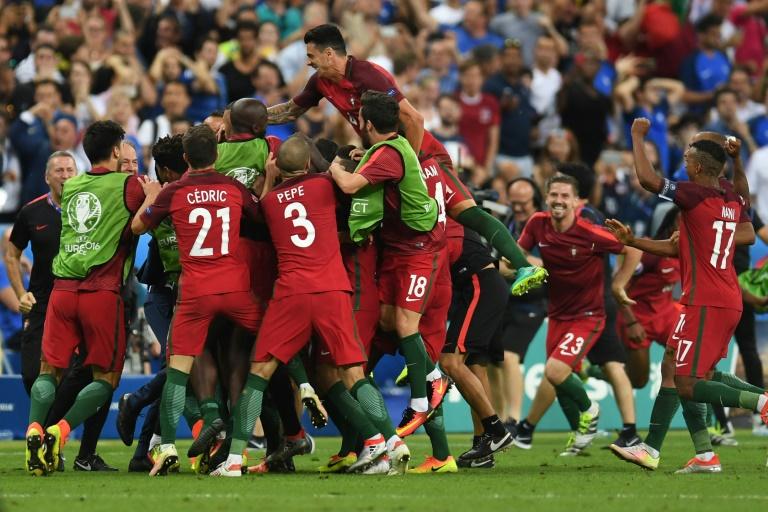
(435, 429)
(373, 405)
(733, 381)
(172, 404)
(42, 395)
(351, 410)
(664, 409)
(348, 434)
(88, 401)
(247, 411)
(570, 409)
(695, 414)
(496, 233)
(297, 371)
(573, 388)
(412, 348)
(709, 391)
(209, 409)
(191, 408)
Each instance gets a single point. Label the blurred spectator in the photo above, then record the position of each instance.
(650, 99)
(522, 23)
(441, 62)
(87, 107)
(749, 20)
(583, 109)
(10, 318)
(237, 72)
(426, 101)
(29, 135)
(26, 70)
(285, 17)
(728, 123)
(268, 40)
(708, 67)
(448, 13)
(292, 59)
(479, 124)
(270, 90)
(46, 68)
(10, 173)
(474, 31)
(560, 146)
(545, 84)
(208, 87)
(740, 82)
(447, 131)
(757, 175)
(64, 138)
(175, 102)
(517, 114)
(360, 22)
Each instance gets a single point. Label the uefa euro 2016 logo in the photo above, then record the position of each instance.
(244, 175)
(84, 212)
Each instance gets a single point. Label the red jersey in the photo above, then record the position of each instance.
(386, 166)
(708, 223)
(478, 115)
(652, 287)
(360, 76)
(206, 209)
(110, 275)
(575, 263)
(360, 263)
(301, 217)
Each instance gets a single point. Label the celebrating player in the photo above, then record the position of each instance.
(206, 209)
(713, 219)
(573, 249)
(342, 80)
(95, 254)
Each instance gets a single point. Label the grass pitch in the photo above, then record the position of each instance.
(522, 480)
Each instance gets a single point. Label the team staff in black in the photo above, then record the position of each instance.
(39, 224)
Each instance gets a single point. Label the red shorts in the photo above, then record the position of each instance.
(262, 266)
(193, 317)
(658, 326)
(701, 338)
(327, 316)
(407, 280)
(570, 340)
(434, 321)
(367, 321)
(455, 246)
(96, 318)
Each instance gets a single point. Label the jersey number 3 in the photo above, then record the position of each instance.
(197, 248)
(298, 215)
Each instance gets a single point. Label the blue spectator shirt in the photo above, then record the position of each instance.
(466, 42)
(658, 131)
(517, 115)
(704, 73)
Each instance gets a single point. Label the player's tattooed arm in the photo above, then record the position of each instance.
(646, 174)
(284, 113)
(624, 235)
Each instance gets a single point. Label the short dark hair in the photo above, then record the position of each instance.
(274, 67)
(200, 146)
(584, 176)
(246, 25)
(293, 155)
(47, 81)
(168, 152)
(467, 65)
(721, 91)
(710, 155)
(381, 110)
(447, 96)
(326, 36)
(707, 22)
(563, 178)
(100, 138)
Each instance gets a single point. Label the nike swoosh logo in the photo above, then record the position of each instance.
(495, 446)
(409, 299)
(678, 365)
(478, 463)
(543, 245)
(667, 270)
(435, 470)
(86, 467)
(40, 228)
(322, 353)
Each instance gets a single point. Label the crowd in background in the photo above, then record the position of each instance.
(513, 88)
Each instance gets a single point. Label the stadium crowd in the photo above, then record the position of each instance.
(517, 91)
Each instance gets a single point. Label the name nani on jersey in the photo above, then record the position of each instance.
(729, 213)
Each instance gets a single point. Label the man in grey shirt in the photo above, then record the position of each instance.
(522, 23)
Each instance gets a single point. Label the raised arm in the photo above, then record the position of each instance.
(647, 176)
(284, 113)
(413, 122)
(740, 183)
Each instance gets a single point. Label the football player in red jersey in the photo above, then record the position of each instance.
(300, 213)
(573, 249)
(206, 209)
(342, 79)
(713, 221)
